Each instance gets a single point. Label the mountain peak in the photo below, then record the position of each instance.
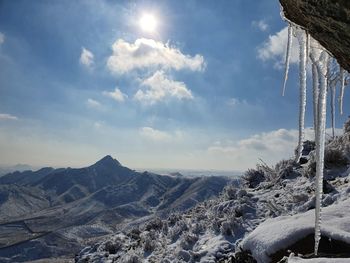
(107, 161)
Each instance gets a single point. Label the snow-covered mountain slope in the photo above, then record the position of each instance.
(56, 212)
(213, 230)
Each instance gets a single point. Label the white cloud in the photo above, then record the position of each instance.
(275, 48)
(233, 103)
(271, 146)
(154, 135)
(98, 124)
(117, 95)
(148, 53)
(2, 38)
(5, 117)
(91, 103)
(261, 25)
(159, 87)
(86, 58)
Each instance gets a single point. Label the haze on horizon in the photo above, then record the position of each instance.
(176, 84)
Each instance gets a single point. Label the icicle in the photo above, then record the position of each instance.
(288, 52)
(342, 87)
(315, 94)
(332, 89)
(320, 142)
(314, 56)
(307, 47)
(302, 78)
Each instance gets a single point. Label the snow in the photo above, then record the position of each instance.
(293, 259)
(281, 232)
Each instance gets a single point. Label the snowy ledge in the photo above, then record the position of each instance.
(280, 233)
(293, 259)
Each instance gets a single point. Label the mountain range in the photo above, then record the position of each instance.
(52, 213)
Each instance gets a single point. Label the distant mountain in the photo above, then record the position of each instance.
(18, 167)
(56, 207)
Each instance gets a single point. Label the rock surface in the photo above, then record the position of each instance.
(328, 21)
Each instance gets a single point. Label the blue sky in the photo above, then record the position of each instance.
(81, 79)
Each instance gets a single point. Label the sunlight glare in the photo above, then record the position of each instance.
(148, 23)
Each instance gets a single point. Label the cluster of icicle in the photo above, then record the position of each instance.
(326, 74)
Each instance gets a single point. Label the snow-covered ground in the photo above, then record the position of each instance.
(213, 230)
(269, 210)
(281, 232)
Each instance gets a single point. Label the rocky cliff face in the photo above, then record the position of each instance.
(328, 21)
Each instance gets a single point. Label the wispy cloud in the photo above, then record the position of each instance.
(148, 53)
(91, 103)
(159, 87)
(117, 95)
(98, 124)
(260, 24)
(271, 146)
(2, 38)
(5, 117)
(86, 57)
(155, 135)
(274, 48)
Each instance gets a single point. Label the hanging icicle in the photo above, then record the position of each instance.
(288, 53)
(302, 79)
(322, 65)
(332, 89)
(322, 77)
(314, 56)
(308, 44)
(342, 87)
(315, 94)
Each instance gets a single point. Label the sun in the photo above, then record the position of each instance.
(148, 23)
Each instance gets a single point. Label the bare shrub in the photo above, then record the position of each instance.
(188, 240)
(286, 169)
(132, 257)
(347, 126)
(177, 230)
(155, 224)
(173, 218)
(112, 247)
(253, 177)
(230, 192)
(334, 157)
(149, 240)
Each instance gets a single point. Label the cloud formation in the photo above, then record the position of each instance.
(154, 135)
(274, 48)
(272, 145)
(159, 87)
(2, 38)
(117, 95)
(261, 25)
(148, 53)
(91, 103)
(6, 117)
(86, 57)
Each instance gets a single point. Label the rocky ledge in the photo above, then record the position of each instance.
(328, 21)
